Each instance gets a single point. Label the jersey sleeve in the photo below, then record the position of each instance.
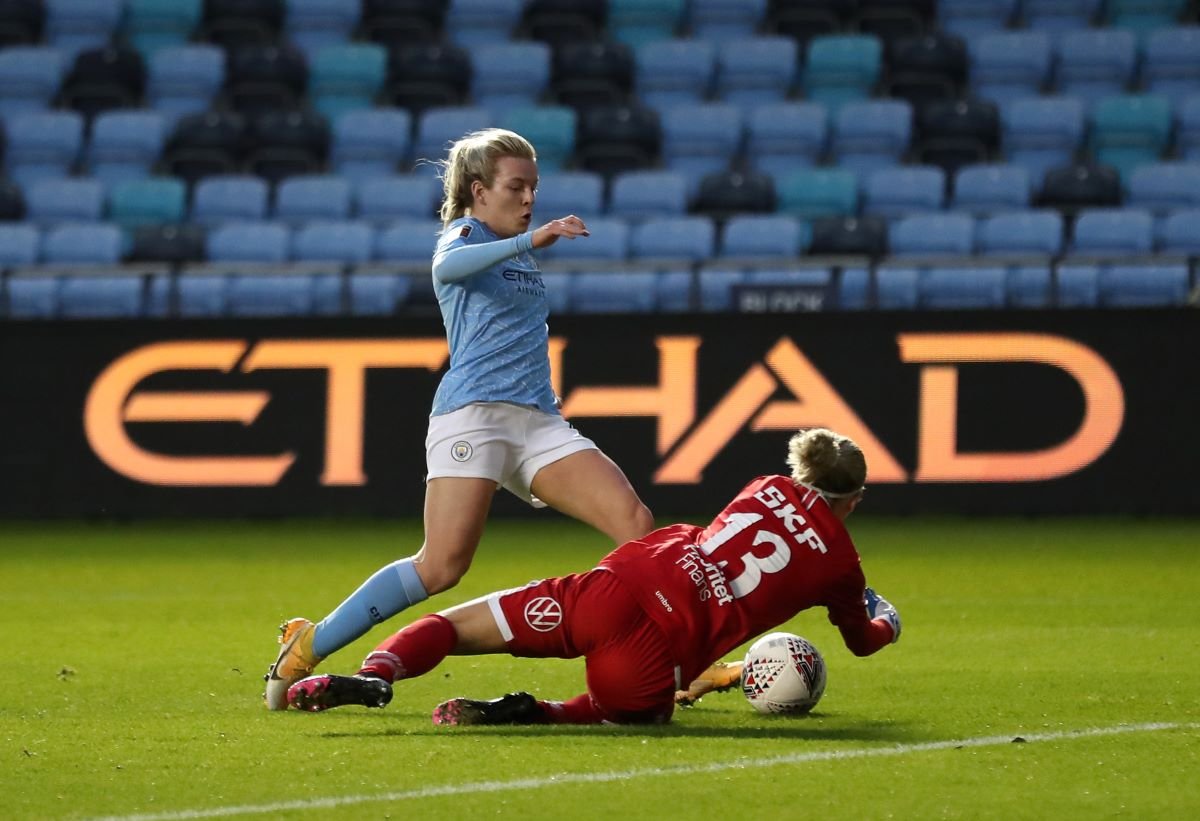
(460, 253)
(848, 612)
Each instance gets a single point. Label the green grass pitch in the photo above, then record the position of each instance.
(133, 656)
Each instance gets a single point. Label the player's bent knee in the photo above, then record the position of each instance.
(439, 576)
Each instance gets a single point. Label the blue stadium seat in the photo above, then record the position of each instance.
(53, 201)
(1179, 234)
(151, 25)
(30, 76)
(333, 241)
(152, 201)
(569, 192)
(183, 80)
(638, 195)
(1155, 285)
(1171, 63)
(247, 241)
(932, 235)
(818, 192)
(1187, 132)
(408, 241)
(950, 288)
(897, 287)
(989, 188)
(636, 22)
(377, 293)
(102, 296)
(871, 134)
(753, 236)
(1143, 16)
(125, 145)
(782, 137)
(201, 294)
(230, 198)
(1131, 130)
(409, 196)
(1057, 16)
(613, 292)
(673, 238)
(700, 139)
(903, 190)
(672, 72)
(1041, 133)
(370, 142)
(1010, 65)
(508, 75)
(842, 67)
(551, 129)
(1113, 231)
(719, 20)
(34, 296)
(1165, 186)
(42, 145)
(608, 242)
(438, 127)
(82, 243)
(346, 76)
(970, 18)
(717, 284)
(755, 70)
(312, 197)
(1096, 63)
(77, 25)
(1021, 233)
(471, 23)
(314, 24)
(20, 244)
(277, 294)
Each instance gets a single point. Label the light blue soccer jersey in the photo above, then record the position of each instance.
(496, 324)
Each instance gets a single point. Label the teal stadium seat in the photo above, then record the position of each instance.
(636, 22)
(842, 67)
(346, 76)
(551, 129)
(818, 192)
(152, 201)
(1130, 130)
(150, 25)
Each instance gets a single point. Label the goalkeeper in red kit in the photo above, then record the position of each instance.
(656, 614)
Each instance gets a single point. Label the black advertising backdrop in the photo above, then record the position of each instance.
(975, 412)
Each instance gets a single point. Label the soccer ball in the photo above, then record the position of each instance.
(783, 673)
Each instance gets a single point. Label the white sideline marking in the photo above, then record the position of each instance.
(655, 772)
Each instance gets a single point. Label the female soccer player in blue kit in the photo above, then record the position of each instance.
(495, 420)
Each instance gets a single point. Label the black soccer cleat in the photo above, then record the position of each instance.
(317, 693)
(514, 708)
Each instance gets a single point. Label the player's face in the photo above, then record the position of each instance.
(507, 206)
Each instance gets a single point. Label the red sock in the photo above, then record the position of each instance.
(412, 652)
(578, 710)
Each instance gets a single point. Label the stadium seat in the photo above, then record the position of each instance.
(673, 72)
(955, 288)
(720, 20)
(849, 235)
(53, 201)
(841, 68)
(1128, 131)
(871, 134)
(700, 138)
(20, 244)
(77, 25)
(1056, 16)
(183, 80)
(569, 192)
(1167, 186)
(1113, 232)
(613, 292)
(662, 239)
(287, 143)
(230, 198)
(1041, 133)
(333, 241)
(617, 138)
(755, 70)
(408, 241)
(370, 142)
(925, 67)
(152, 25)
(970, 18)
(166, 243)
(471, 23)
(985, 189)
(150, 201)
(103, 296)
(104, 78)
(766, 237)
(509, 75)
(265, 77)
(1021, 233)
(638, 195)
(202, 145)
(718, 286)
(589, 74)
(637, 22)
(562, 21)
(12, 200)
(312, 197)
(932, 235)
(904, 190)
(1080, 185)
(1187, 133)
(377, 293)
(728, 193)
(1155, 285)
(608, 242)
(407, 197)
(42, 145)
(82, 243)
(277, 294)
(33, 296)
(346, 76)
(438, 127)
(316, 24)
(783, 137)
(247, 241)
(30, 76)
(125, 145)
(818, 192)
(1095, 63)
(1171, 63)
(550, 128)
(1179, 234)
(1143, 16)
(1010, 65)
(21, 22)
(956, 133)
(238, 23)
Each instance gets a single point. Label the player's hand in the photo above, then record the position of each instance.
(880, 608)
(718, 678)
(569, 227)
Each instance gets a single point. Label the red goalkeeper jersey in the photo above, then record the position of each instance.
(775, 550)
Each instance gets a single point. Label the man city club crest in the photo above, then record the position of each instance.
(461, 451)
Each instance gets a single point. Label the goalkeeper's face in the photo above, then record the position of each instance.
(507, 206)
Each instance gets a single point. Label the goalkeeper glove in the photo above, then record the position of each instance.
(880, 608)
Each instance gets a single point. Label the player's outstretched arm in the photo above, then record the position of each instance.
(880, 609)
(718, 678)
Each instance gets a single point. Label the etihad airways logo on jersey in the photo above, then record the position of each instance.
(687, 437)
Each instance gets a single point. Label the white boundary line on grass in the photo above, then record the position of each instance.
(475, 787)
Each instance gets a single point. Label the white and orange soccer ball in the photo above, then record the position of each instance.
(783, 673)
